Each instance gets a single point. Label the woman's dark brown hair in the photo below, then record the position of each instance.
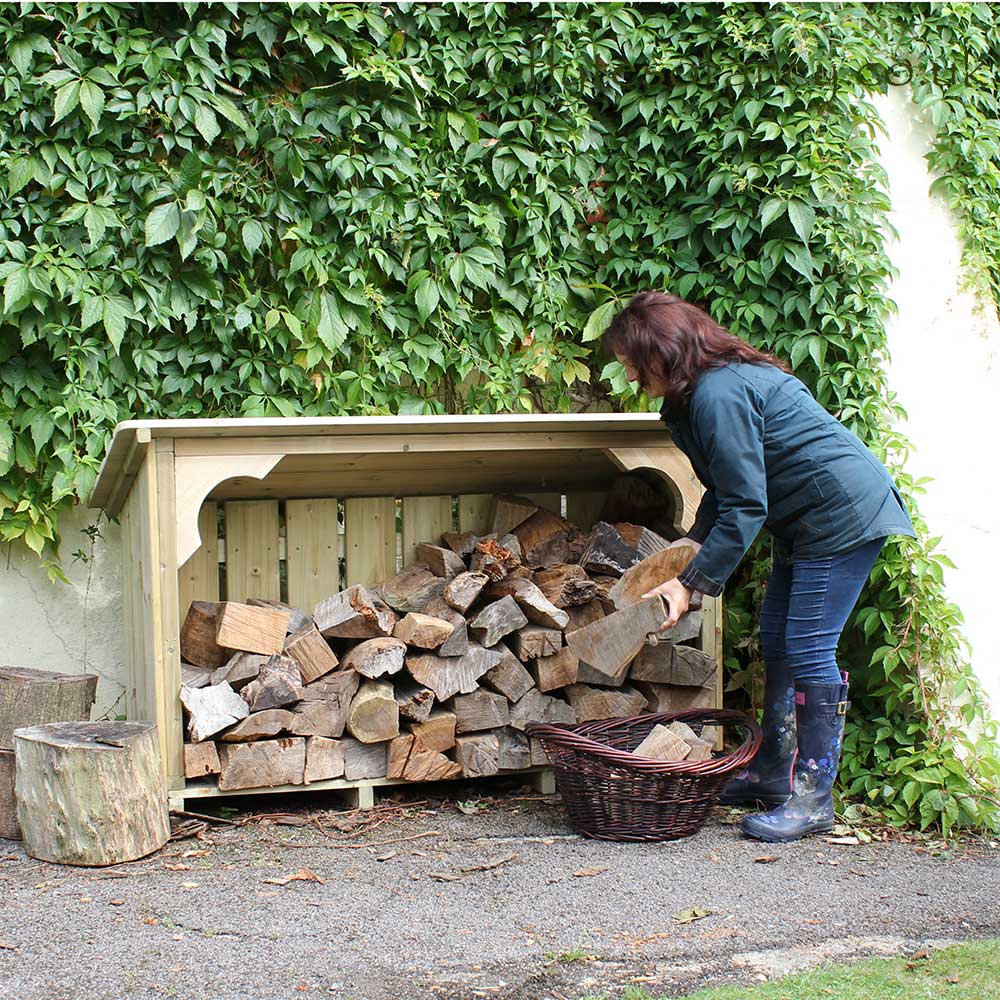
(664, 336)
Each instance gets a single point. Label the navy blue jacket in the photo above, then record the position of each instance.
(770, 456)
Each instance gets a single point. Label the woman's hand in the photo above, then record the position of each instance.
(678, 598)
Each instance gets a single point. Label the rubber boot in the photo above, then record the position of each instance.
(819, 719)
(767, 780)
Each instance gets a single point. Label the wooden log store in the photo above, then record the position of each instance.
(311, 512)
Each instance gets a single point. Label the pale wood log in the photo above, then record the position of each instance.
(323, 708)
(604, 703)
(609, 644)
(447, 676)
(438, 731)
(532, 641)
(355, 613)
(565, 585)
(479, 710)
(212, 709)
(458, 642)
(555, 671)
(493, 559)
(364, 760)
(253, 630)
(440, 561)
(196, 677)
(279, 683)
(398, 754)
(412, 589)
(607, 553)
(663, 744)
(463, 590)
(424, 631)
(514, 749)
(311, 652)
(324, 759)
(497, 620)
(263, 764)
(297, 618)
(537, 608)
(511, 511)
(260, 726)
(427, 764)
(674, 697)
(534, 706)
(374, 714)
(649, 573)
(30, 697)
(90, 793)
(376, 658)
(544, 539)
(241, 669)
(460, 542)
(584, 614)
(478, 755)
(198, 642)
(201, 759)
(415, 701)
(509, 676)
(9, 830)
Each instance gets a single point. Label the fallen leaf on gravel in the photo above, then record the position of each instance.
(302, 875)
(765, 859)
(587, 872)
(387, 855)
(457, 876)
(117, 902)
(7, 946)
(691, 914)
(470, 808)
(86, 899)
(444, 876)
(190, 885)
(152, 921)
(176, 868)
(850, 841)
(953, 979)
(194, 854)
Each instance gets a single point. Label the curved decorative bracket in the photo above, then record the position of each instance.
(195, 476)
(674, 469)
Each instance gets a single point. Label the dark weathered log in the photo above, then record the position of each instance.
(196, 677)
(451, 675)
(9, 830)
(496, 620)
(415, 701)
(514, 749)
(555, 671)
(510, 512)
(463, 590)
(438, 731)
(644, 540)
(260, 726)
(279, 683)
(478, 755)
(458, 642)
(375, 658)
(584, 614)
(585, 674)
(364, 760)
(412, 589)
(212, 709)
(253, 630)
(493, 559)
(509, 676)
(607, 553)
(693, 666)
(537, 608)
(198, 643)
(532, 641)
(462, 543)
(90, 793)
(323, 708)
(263, 764)
(565, 585)
(311, 652)
(609, 644)
(324, 759)
(424, 631)
(675, 697)
(604, 703)
(374, 714)
(649, 573)
(440, 561)
(534, 706)
(201, 759)
(241, 669)
(544, 539)
(355, 613)
(297, 618)
(30, 697)
(479, 710)
(666, 663)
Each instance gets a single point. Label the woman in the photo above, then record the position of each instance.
(768, 456)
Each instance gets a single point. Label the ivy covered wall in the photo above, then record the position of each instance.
(264, 209)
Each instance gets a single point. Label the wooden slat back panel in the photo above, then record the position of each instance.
(549, 501)
(252, 529)
(369, 540)
(198, 578)
(584, 509)
(475, 512)
(425, 519)
(311, 551)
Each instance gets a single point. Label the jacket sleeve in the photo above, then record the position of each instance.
(728, 422)
(708, 511)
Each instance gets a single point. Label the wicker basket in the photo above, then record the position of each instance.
(612, 794)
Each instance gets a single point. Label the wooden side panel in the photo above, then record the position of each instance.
(369, 540)
(711, 643)
(475, 512)
(584, 509)
(198, 578)
(550, 501)
(311, 539)
(425, 519)
(252, 550)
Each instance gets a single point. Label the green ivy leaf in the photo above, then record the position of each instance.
(599, 320)
(6, 447)
(427, 297)
(802, 218)
(206, 123)
(92, 101)
(253, 235)
(162, 223)
(115, 316)
(67, 98)
(20, 172)
(16, 287)
(770, 210)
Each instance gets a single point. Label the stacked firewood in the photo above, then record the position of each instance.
(436, 672)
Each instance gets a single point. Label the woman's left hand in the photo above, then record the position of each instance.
(678, 598)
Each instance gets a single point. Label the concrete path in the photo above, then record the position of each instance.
(502, 902)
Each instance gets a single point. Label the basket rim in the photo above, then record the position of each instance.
(569, 736)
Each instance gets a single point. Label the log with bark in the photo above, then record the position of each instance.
(374, 658)
(355, 613)
(198, 642)
(374, 715)
(30, 697)
(263, 764)
(451, 675)
(497, 620)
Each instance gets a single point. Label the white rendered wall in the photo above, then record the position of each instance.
(945, 370)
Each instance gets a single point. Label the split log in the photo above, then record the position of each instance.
(355, 613)
(458, 642)
(666, 663)
(198, 642)
(510, 512)
(426, 764)
(415, 701)
(497, 620)
(212, 709)
(297, 618)
(374, 714)
(533, 641)
(509, 676)
(565, 585)
(196, 677)
(649, 573)
(90, 793)
(9, 830)
(311, 652)
(544, 539)
(324, 759)
(463, 543)
(323, 708)
(663, 744)
(241, 669)
(376, 657)
(514, 749)
(534, 706)
(279, 683)
(644, 540)
(463, 590)
(451, 675)
(700, 748)
(264, 764)
(584, 614)
(440, 561)
(260, 726)
(607, 553)
(364, 760)
(30, 697)
(674, 697)
(201, 759)
(253, 630)
(424, 631)
(479, 710)
(604, 703)
(412, 589)
(493, 559)
(693, 666)
(537, 608)
(398, 754)
(438, 731)
(555, 671)
(609, 644)
(478, 755)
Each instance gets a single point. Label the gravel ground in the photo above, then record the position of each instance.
(504, 902)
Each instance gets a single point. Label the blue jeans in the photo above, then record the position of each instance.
(806, 607)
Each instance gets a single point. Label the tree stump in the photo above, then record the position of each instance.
(30, 697)
(90, 793)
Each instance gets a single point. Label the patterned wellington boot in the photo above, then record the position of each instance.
(819, 717)
(768, 778)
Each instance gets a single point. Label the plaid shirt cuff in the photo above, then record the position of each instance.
(694, 579)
